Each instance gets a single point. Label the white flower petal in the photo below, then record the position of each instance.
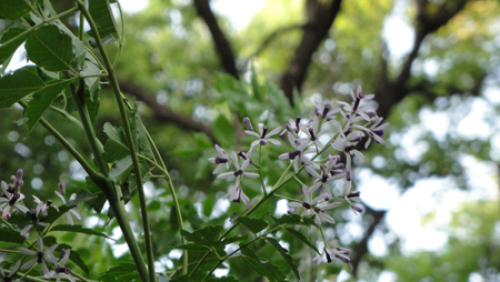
(251, 174)
(226, 174)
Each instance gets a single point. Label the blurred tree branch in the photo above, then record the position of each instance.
(321, 17)
(393, 91)
(275, 34)
(164, 114)
(222, 45)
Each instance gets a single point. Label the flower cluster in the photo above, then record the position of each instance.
(11, 201)
(337, 130)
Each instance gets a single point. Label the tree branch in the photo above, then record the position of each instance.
(275, 34)
(321, 18)
(165, 114)
(222, 45)
(361, 248)
(396, 90)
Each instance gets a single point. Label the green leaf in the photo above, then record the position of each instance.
(192, 247)
(285, 255)
(11, 236)
(115, 134)
(206, 236)
(263, 267)
(255, 86)
(181, 278)
(42, 100)
(77, 229)
(50, 48)
(13, 9)
(98, 197)
(113, 151)
(92, 105)
(123, 272)
(293, 219)
(7, 51)
(13, 87)
(121, 171)
(101, 13)
(254, 225)
(223, 131)
(93, 83)
(302, 238)
(139, 133)
(223, 279)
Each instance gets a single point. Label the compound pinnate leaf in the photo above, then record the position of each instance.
(285, 255)
(42, 100)
(13, 10)
(13, 87)
(50, 48)
(8, 50)
(263, 267)
(101, 13)
(206, 236)
(254, 225)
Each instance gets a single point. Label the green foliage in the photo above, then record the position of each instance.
(284, 253)
(253, 224)
(15, 86)
(263, 267)
(50, 48)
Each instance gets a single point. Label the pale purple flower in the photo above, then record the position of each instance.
(292, 127)
(237, 195)
(357, 107)
(353, 196)
(222, 160)
(346, 145)
(60, 269)
(42, 256)
(13, 272)
(332, 253)
(43, 207)
(311, 130)
(315, 207)
(239, 171)
(34, 221)
(325, 111)
(329, 172)
(263, 136)
(374, 130)
(299, 155)
(61, 194)
(9, 200)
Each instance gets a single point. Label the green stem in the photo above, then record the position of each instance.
(128, 133)
(79, 99)
(9, 251)
(29, 270)
(27, 31)
(260, 172)
(28, 278)
(94, 175)
(177, 207)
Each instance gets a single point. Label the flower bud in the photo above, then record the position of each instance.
(357, 208)
(247, 123)
(19, 174)
(62, 188)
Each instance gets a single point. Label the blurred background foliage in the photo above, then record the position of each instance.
(168, 60)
